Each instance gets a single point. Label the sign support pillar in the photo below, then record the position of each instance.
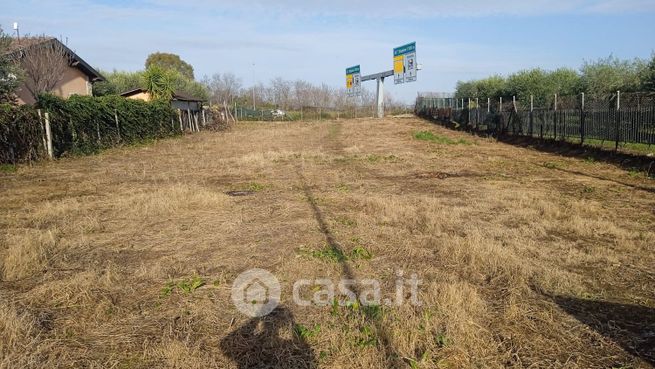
(379, 98)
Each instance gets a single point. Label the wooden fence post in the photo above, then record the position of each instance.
(179, 118)
(48, 135)
(43, 133)
(118, 129)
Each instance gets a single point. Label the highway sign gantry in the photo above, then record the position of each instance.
(404, 70)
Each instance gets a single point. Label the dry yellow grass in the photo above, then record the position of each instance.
(528, 260)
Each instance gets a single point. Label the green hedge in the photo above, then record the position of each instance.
(85, 124)
(81, 125)
(20, 134)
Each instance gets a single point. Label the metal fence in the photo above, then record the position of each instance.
(618, 118)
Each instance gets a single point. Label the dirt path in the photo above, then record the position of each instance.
(126, 259)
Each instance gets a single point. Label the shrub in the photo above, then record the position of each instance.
(20, 134)
(81, 125)
(84, 124)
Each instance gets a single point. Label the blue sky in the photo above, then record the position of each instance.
(317, 40)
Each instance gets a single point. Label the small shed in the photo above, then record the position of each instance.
(178, 101)
(189, 109)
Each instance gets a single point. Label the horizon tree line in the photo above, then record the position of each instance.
(602, 77)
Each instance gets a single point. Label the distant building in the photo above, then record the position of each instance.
(179, 100)
(77, 79)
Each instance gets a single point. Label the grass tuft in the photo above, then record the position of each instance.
(186, 285)
(254, 186)
(8, 168)
(552, 165)
(306, 332)
(429, 136)
(330, 254)
(360, 252)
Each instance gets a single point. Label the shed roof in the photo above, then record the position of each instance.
(176, 96)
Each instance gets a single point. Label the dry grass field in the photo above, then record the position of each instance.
(527, 260)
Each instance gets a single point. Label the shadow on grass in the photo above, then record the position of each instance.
(623, 160)
(393, 359)
(636, 187)
(630, 326)
(259, 344)
(627, 161)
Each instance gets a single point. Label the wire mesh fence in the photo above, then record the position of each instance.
(248, 113)
(243, 113)
(614, 118)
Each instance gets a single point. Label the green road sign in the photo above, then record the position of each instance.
(353, 70)
(405, 49)
(353, 81)
(404, 63)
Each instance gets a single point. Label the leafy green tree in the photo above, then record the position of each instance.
(170, 62)
(648, 76)
(118, 82)
(565, 82)
(466, 89)
(10, 74)
(104, 88)
(491, 87)
(530, 82)
(612, 74)
(159, 82)
(190, 87)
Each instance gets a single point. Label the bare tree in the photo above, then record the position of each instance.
(223, 88)
(301, 93)
(281, 91)
(44, 64)
(298, 94)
